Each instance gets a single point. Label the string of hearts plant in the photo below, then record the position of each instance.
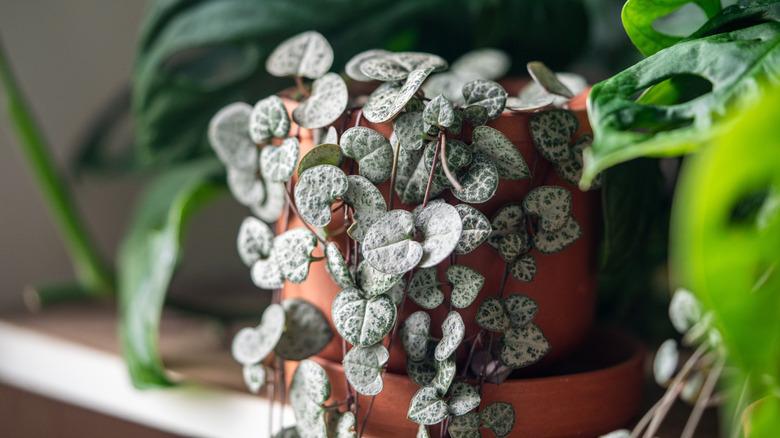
(390, 255)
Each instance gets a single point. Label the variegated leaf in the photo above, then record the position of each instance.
(440, 225)
(492, 315)
(398, 66)
(246, 186)
(408, 130)
(254, 241)
(507, 158)
(550, 242)
(423, 372)
(368, 205)
(278, 162)
(463, 398)
(424, 289)
(427, 407)
(486, 97)
(307, 330)
(422, 432)
(391, 97)
(361, 321)
(524, 268)
(415, 334)
(521, 309)
(269, 119)
(548, 80)
(445, 374)
(371, 150)
(346, 426)
(373, 282)
(352, 67)
(439, 114)
(551, 132)
(498, 417)
(475, 229)
(328, 100)
(523, 346)
(513, 245)
(551, 204)
(485, 63)
(251, 345)
(665, 362)
(326, 153)
(509, 219)
(466, 284)
(266, 273)
(292, 252)
(363, 368)
(254, 377)
(337, 266)
(388, 244)
(307, 54)
(229, 137)
(459, 156)
(480, 182)
(684, 310)
(464, 426)
(453, 330)
(309, 390)
(317, 188)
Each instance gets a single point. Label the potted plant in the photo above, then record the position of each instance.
(436, 230)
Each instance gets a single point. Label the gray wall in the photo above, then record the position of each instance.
(70, 56)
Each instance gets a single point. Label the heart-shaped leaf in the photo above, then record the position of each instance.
(346, 426)
(521, 309)
(246, 186)
(424, 289)
(486, 63)
(337, 266)
(466, 284)
(509, 219)
(440, 226)
(498, 417)
(464, 426)
(361, 321)
(414, 167)
(254, 377)
(548, 80)
(316, 190)
(523, 346)
(266, 273)
(571, 169)
(269, 119)
(552, 204)
(422, 432)
(459, 156)
(427, 407)
(480, 182)
(484, 98)
(388, 244)
(229, 137)
(255, 239)
(534, 97)
(398, 292)
(665, 362)
(550, 242)
(551, 132)
(445, 374)
(475, 229)
(415, 334)
(524, 268)
(367, 202)
(371, 150)
(513, 245)
(373, 282)
(363, 368)
(328, 100)
(452, 330)
(326, 153)
(492, 315)
(352, 68)
(422, 372)
(309, 390)
(507, 158)
(530, 102)
(251, 345)
(292, 252)
(307, 54)
(391, 97)
(399, 66)
(278, 162)
(438, 113)
(463, 398)
(307, 331)
(684, 310)
(273, 204)
(408, 130)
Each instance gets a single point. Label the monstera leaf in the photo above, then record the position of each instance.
(639, 15)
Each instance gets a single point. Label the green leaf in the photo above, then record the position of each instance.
(363, 368)
(520, 309)
(309, 390)
(307, 331)
(367, 202)
(551, 132)
(252, 345)
(408, 130)
(307, 54)
(373, 282)
(292, 252)
(498, 417)
(513, 245)
(550, 242)
(551, 204)
(371, 150)
(269, 119)
(147, 258)
(438, 114)
(391, 97)
(337, 266)
(228, 134)
(327, 153)
(524, 268)
(424, 289)
(453, 330)
(316, 190)
(492, 315)
(415, 334)
(480, 182)
(625, 128)
(328, 100)
(388, 245)
(548, 80)
(639, 15)
(487, 96)
(508, 220)
(524, 346)
(463, 398)
(427, 407)
(464, 426)
(278, 162)
(440, 226)
(505, 155)
(466, 284)
(475, 229)
(255, 239)
(363, 322)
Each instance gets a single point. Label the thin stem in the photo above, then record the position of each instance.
(297, 213)
(430, 175)
(282, 389)
(271, 394)
(445, 165)
(91, 269)
(393, 174)
(477, 340)
(701, 403)
(301, 87)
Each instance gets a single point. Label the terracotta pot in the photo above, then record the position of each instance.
(565, 282)
(598, 390)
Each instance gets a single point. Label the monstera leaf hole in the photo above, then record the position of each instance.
(680, 88)
(211, 68)
(748, 208)
(682, 22)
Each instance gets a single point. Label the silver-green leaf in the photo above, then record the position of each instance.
(388, 244)
(551, 204)
(498, 417)
(551, 132)
(550, 242)
(292, 252)
(408, 130)
(255, 239)
(427, 407)
(317, 188)
(488, 96)
(367, 202)
(415, 334)
(391, 97)
(440, 225)
(251, 345)
(523, 346)
(363, 368)
(337, 266)
(328, 100)
(269, 119)
(307, 330)
(361, 321)
(466, 284)
(326, 153)
(373, 282)
(453, 330)
(480, 182)
(278, 162)
(307, 54)
(475, 229)
(371, 150)
(229, 136)
(309, 390)
(507, 158)
(463, 398)
(492, 315)
(424, 289)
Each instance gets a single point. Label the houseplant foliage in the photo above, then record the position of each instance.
(389, 255)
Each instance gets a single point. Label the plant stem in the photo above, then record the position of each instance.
(91, 269)
(301, 87)
(701, 403)
(445, 165)
(393, 174)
